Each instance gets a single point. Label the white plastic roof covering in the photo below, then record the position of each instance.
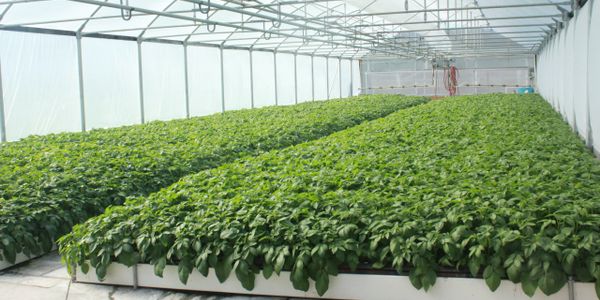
(352, 28)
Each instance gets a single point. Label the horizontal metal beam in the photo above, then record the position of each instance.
(284, 3)
(455, 34)
(433, 10)
(460, 20)
(142, 12)
(483, 41)
(322, 35)
(218, 23)
(282, 20)
(469, 38)
(133, 39)
(471, 28)
(502, 46)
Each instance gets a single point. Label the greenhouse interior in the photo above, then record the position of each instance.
(300, 149)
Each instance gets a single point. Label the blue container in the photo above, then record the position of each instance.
(525, 90)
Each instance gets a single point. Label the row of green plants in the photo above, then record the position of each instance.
(49, 183)
(495, 186)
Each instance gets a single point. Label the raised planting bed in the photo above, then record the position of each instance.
(49, 183)
(343, 286)
(497, 186)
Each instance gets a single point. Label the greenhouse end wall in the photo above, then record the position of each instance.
(568, 73)
(125, 83)
(476, 75)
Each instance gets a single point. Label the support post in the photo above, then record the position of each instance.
(222, 80)
(365, 84)
(295, 78)
(135, 276)
(327, 74)
(340, 74)
(312, 75)
(351, 77)
(275, 68)
(80, 74)
(141, 79)
(187, 84)
(251, 79)
(2, 118)
(571, 288)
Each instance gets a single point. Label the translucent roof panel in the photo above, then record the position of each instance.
(38, 12)
(412, 28)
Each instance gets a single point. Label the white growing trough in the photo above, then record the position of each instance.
(343, 286)
(19, 259)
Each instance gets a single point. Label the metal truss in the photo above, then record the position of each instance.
(311, 27)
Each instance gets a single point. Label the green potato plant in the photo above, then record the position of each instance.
(496, 186)
(49, 183)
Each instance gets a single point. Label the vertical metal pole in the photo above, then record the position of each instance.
(589, 87)
(2, 119)
(455, 18)
(295, 78)
(275, 68)
(464, 15)
(340, 74)
(251, 80)
(222, 81)
(351, 77)
(141, 78)
(80, 73)
(187, 85)
(312, 75)
(365, 84)
(327, 73)
(571, 288)
(438, 14)
(448, 14)
(135, 276)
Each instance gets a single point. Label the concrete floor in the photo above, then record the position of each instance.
(45, 278)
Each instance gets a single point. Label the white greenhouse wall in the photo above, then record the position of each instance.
(236, 65)
(164, 81)
(476, 75)
(264, 78)
(346, 78)
(285, 79)
(40, 84)
(568, 71)
(204, 78)
(356, 81)
(320, 69)
(334, 78)
(112, 95)
(304, 78)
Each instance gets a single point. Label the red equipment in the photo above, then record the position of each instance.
(451, 80)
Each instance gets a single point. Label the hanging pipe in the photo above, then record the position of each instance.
(214, 26)
(265, 36)
(125, 13)
(204, 11)
(277, 23)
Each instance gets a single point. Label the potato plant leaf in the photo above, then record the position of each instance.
(492, 183)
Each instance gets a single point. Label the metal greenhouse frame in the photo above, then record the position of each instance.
(314, 28)
(376, 197)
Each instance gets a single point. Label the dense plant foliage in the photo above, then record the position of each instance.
(50, 183)
(494, 185)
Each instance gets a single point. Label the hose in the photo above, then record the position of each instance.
(451, 80)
